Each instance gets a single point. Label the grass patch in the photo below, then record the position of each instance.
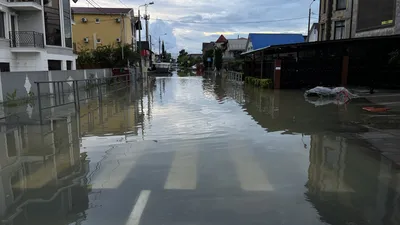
(262, 83)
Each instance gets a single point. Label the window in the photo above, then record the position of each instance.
(98, 40)
(322, 32)
(341, 4)
(323, 6)
(4, 67)
(97, 20)
(339, 30)
(2, 27)
(67, 23)
(52, 22)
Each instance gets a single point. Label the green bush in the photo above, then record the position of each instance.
(263, 83)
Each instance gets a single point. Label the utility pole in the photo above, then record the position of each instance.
(140, 44)
(146, 17)
(159, 48)
(309, 19)
(151, 52)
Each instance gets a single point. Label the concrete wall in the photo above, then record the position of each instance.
(30, 21)
(24, 82)
(28, 61)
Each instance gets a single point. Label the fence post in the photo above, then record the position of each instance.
(84, 74)
(277, 74)
(1, 90)
(77, 96)
(39, 103)
(74, 90)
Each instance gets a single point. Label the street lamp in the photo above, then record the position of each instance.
(309, 17)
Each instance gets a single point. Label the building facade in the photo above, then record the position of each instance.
(234, 48)
(93, 28)
(35, 35)
(341, 19)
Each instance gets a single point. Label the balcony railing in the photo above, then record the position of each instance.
(26, 39)
(34, 1)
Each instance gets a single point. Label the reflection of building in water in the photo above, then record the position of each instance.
(346, 185)
(110, 117)
(41, 172)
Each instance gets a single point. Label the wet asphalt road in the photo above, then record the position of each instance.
(198, 151)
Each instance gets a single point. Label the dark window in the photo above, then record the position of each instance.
(341, 4)
(322, 32)
(2, 26)
(323, 6)
(52, 22)
(373, 14)
(69, 65)
(5, 67)
(97, 20)
(67, 23)
(339, 30)
(54, 64)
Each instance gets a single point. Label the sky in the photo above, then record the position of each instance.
(186, 24)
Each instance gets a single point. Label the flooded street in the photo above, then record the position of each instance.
(197, 151)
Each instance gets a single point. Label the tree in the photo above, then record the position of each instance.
(183, 58)
(218, 59)
(163, 52)
(107, 56)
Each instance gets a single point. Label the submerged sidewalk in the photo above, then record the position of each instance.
(384, 128)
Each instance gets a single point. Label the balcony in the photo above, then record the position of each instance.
(25, 5)
(26, 40)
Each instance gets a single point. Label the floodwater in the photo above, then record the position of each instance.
(197, 151)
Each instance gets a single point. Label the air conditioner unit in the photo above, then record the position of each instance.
(84, 20)
(118, 40)
(86, 40)
(118, 20)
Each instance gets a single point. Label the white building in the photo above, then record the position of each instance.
(35, 35)
(313, 34)
(235, 48)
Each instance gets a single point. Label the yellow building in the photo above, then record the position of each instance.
(93, 27)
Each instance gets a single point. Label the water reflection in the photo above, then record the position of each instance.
(89, 167)
(42, 173)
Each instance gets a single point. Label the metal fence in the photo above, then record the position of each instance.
(67, 92)
(233, 76)
(26, 39)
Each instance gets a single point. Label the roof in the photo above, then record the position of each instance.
(265, 40)
(221, 39)
(284, 48)
(91, 10)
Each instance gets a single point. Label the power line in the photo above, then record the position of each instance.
(123, 3)
(239, 22)
(98, 7)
